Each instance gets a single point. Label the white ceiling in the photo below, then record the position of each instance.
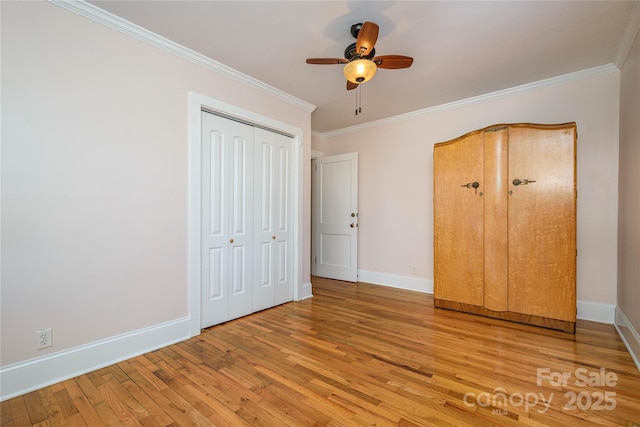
(461, 49)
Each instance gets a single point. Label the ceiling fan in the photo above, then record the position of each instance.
(359, 57)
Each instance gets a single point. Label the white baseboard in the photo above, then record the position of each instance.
(596, 312)
(629, 335)
(23, 377)
(408, 283)
(305, 291)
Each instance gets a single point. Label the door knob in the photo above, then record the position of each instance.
(230, 240)
(352, 225)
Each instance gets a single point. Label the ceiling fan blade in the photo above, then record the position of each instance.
(326, 61)
(393, 61)
(367, 38)
(351, 85)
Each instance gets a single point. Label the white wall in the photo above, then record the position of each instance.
(396, 169)
(95, 178)
(628, 316)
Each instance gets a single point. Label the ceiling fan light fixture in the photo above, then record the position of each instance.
(360, 70)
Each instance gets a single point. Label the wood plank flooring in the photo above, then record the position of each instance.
(356, 354)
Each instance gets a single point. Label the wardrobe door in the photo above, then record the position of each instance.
(542, 221)
(458, 219)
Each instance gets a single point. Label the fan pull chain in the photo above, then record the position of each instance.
(358, 100)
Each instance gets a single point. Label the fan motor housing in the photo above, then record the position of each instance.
(350, 53)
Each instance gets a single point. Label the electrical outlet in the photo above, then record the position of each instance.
(43, 339)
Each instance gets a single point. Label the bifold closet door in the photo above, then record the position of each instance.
(227, 222)
(458, 220)
(273, 213)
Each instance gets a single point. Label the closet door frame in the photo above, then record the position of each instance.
(198, 103)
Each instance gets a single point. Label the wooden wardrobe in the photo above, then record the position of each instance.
(505, 224)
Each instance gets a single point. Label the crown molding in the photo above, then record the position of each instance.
(110, 20)
(630, 32)
(575, 76)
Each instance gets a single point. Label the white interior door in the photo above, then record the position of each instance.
(227, 209)
(335, 217)
(273, 214)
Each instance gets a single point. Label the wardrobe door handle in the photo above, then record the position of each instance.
(522, 181)
(474, 184)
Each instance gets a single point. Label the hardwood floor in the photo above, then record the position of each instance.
(356, 354)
